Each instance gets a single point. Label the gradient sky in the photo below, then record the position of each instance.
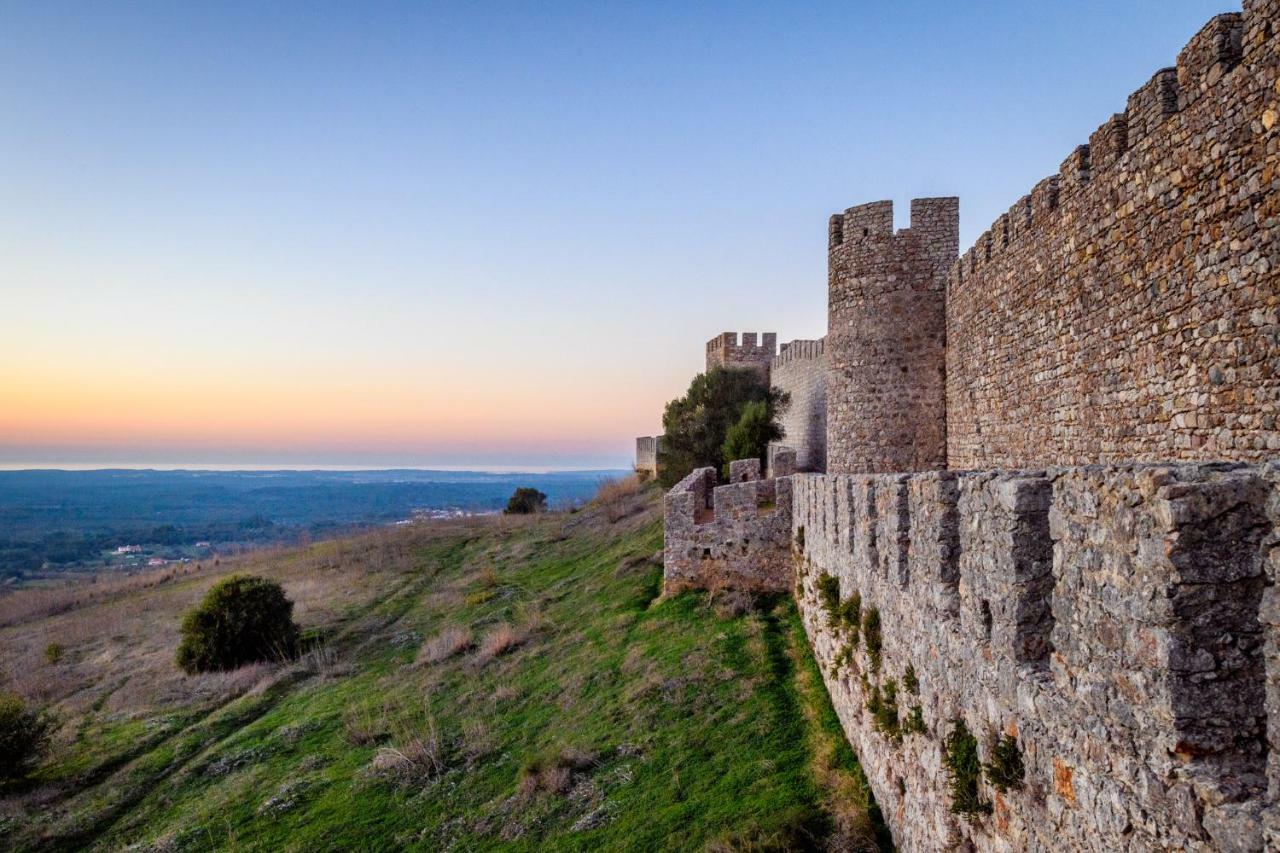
(479, 234)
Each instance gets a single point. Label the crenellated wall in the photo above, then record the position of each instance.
(1128, 307)
(1115, 628)
(1108, 618)
(735, 535)
(800, 369)
(724, 350)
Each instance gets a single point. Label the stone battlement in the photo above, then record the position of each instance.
(799, 351)
(1210, 55)
(724, 351)
(734, 535)
(1111, 619)
(1127, 308)
(886, 336)
(801, 370)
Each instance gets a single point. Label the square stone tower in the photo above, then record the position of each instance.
(724, 351)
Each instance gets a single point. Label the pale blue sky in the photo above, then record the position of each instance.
(452, 233)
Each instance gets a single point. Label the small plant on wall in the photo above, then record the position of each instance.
(871, 636)
(829, 595)
(909, 681)
(960, 755)
(1005, 770)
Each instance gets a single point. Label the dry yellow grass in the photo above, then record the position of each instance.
(119, 635)
(449, 642)
(501, 639)
(618, 496)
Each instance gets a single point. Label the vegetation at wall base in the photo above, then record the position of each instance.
(571, 707)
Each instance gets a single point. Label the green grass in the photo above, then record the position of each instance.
(670, 725)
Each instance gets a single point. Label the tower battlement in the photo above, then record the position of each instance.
(724, 350)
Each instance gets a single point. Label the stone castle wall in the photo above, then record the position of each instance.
(1128, 308)
(1112, 620)
(800, 369)
(1120, 624)
(886, 338)
(724, 351)
(736, 535)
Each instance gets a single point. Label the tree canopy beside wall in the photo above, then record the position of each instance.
(696, 426)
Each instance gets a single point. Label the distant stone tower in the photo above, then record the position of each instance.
(724, 351)
(886, 337)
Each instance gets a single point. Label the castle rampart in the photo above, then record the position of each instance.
(1128, 308)
(1107, 619)
(800, 369)
(724, 351)
(735, 535)
(1099, 643)
(886, 339)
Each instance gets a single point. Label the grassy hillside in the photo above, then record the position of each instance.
(499, 683)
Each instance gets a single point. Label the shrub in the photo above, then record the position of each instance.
(885, 712)
(749, 438)
(554, 774)
(54, 653)
(696, 425)
(960, 755)
(24, 736)
(242, 619)
(1005, 769)
(500, 640)
(525, 501)
(871, 636)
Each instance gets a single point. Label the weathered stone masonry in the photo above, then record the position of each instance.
(725, 351)
(886, 337)
(647, 449)
(1108, 618)
(735, 535)
(800, 369)
(1128, 308)
(1117, 624)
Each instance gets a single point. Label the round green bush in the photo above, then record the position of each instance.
(242, 619)
(24, 736)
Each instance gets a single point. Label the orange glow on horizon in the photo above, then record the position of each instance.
(51, 408)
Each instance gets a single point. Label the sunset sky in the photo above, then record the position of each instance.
(478, 234)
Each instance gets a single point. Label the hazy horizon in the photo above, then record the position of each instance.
(443, 234)
(249, 467)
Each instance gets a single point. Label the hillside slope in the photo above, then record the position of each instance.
(494, 683)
